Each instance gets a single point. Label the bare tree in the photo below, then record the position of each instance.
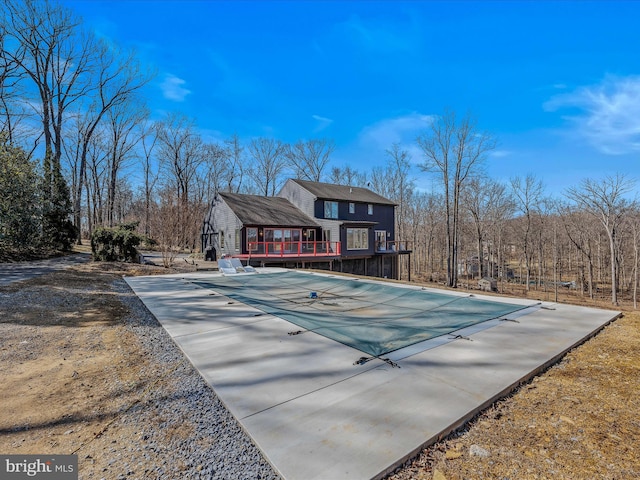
(378, 181)
(72, 147)
(117, 77)
(123, 120)
(580, 233)
(454, 149)
(148, 139)
(400, 185)
(167, 224)
(269, 164)
(634, 220)
(56, 56)
(44, 40)
(502, 208)
(235, 166)
(416, 215)
(348, 176)
(217, 176)
(180, 150)
(605, 201)
(555, 221)
(528, 195)
(71, 79)
(95, 181)
(310, 158)
(12, 110)
(544, 217)
(486, 201)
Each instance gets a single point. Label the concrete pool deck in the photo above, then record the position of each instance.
(316, 415)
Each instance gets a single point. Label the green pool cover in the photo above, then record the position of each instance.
(372, 317)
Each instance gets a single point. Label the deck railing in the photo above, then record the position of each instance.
(392, 246)
(293, 249)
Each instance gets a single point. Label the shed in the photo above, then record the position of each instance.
(487, 284)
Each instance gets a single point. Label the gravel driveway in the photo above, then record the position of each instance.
(88, 370)
(15, 272)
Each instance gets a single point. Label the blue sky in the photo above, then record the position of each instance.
(558, 83)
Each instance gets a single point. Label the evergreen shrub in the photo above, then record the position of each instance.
(116, 244)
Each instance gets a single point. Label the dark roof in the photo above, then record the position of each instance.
(330, 191)
(271, 211)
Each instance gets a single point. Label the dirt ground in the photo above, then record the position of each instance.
(70, 368)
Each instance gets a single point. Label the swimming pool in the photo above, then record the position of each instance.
(373, 317)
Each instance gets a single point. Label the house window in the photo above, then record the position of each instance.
(309, 237)
(370, 209)
(326, 237)
(282, 240)
(330, 209)
(381, 240)
(221, 239)
(237, 245)
(357, 239)
(352, 207)
(277, 240)
(268, 240)
(252, 239)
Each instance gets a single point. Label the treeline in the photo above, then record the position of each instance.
(79, 151)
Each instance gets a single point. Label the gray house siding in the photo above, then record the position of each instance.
(331, 226)
(300, 197)
(221, 221)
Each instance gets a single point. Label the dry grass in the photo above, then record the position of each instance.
(578, 420)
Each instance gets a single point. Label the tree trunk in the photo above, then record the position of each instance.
(635, 268)
(614, 273)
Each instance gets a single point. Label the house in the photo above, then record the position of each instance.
(335, 227)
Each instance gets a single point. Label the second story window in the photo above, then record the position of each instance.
(370, 209)
(352, 207)
(330, 209)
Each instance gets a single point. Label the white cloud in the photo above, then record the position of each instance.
(500, 153)
(172, 88)
(369, 148)
(323, 123)
(210, 135)
(386, 36)
(403, 130)
(608, 114)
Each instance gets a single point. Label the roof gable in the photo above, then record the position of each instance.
(258, 210)
(330, 191)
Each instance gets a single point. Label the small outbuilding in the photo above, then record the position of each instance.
(487, 284)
